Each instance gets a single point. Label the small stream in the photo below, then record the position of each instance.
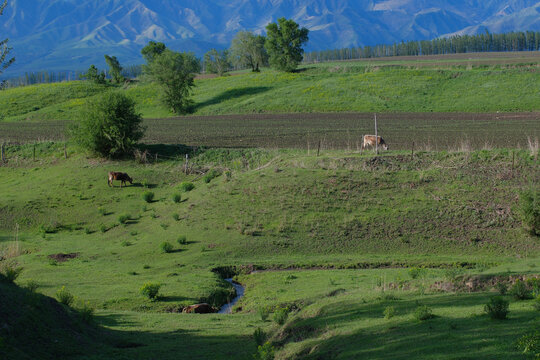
(226, 309)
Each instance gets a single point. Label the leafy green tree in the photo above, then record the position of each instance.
(284, 42)
(109, 125)
(93, 74)
(247, 49)
(5, 61)
(217, 62)
(152, 50)
(114, 68)
(175, 72)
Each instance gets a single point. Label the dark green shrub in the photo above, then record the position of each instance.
(102, 211)
(186, 186)
(126, 243)
(182, 240)
(64, 296)
(520, 291)
(10, 272)
(31, 285)
(177, 198)
(259, 336)
(109, 125)
(148, 196)
(529, 208)
(422, 313)
(389, 312)
(175, 216)
(263, 312)
(280, 315)
(166, 247)
(529, 344)
(497, 308)
(146, 266)
(124, 218)
(212, 174)
(150, 290)
(86, 311)
(265, 352)
(103, 228)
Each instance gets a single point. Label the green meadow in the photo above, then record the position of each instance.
(342, 253)
(341, 87)
(334, 240)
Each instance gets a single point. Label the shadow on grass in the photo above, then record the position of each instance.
(232, 94)
(454, 336)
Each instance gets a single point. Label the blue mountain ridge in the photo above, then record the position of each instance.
(72, 34)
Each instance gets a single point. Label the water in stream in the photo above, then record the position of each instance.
(226, 309)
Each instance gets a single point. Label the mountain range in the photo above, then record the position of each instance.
(72, 34)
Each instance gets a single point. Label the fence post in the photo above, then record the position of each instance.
(34, 152)
(65, 151)
(319, 148)
(412, 151)
(3, 156)
(186, 164)
(376, 137)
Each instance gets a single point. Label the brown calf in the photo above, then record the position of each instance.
(122, 177)
(370, 140)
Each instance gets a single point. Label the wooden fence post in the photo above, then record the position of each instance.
(3, 158)
(319, 148)
(65, 151)
(412, 151)
(186, 164)
(376, 137)
(34, 152)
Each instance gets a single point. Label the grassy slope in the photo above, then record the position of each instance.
(297, 210)
(320, 88)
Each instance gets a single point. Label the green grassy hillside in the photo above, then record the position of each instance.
(356, 233)
(342, 87)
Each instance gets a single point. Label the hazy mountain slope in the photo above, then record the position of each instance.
(72, 34)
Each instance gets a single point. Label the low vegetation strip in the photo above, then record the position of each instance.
(429, 131)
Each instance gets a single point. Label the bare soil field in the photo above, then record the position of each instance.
(431, 131)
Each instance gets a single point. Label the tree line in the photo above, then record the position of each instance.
(486, 42)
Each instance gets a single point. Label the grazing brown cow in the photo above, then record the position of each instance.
(370, 140)
(123, 177)
(198, 309)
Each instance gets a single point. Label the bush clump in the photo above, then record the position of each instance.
(182, 240)
(148, 196)
(166, 247)
(109, 125)
(10, 272)
(64, 296)
(212, 174)
(423, 312)
(150, 290)
(520, 291)
(259, 336)
(265, 352)
(86, 311)
(124, 218)
(389, 312)
(177, 198)
(280, 315)
(416, 272)
(263, 312)
(186, 186)
(529, 344)
(529, 208)
(497, 308)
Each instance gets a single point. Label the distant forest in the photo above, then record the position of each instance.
(513, 41)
